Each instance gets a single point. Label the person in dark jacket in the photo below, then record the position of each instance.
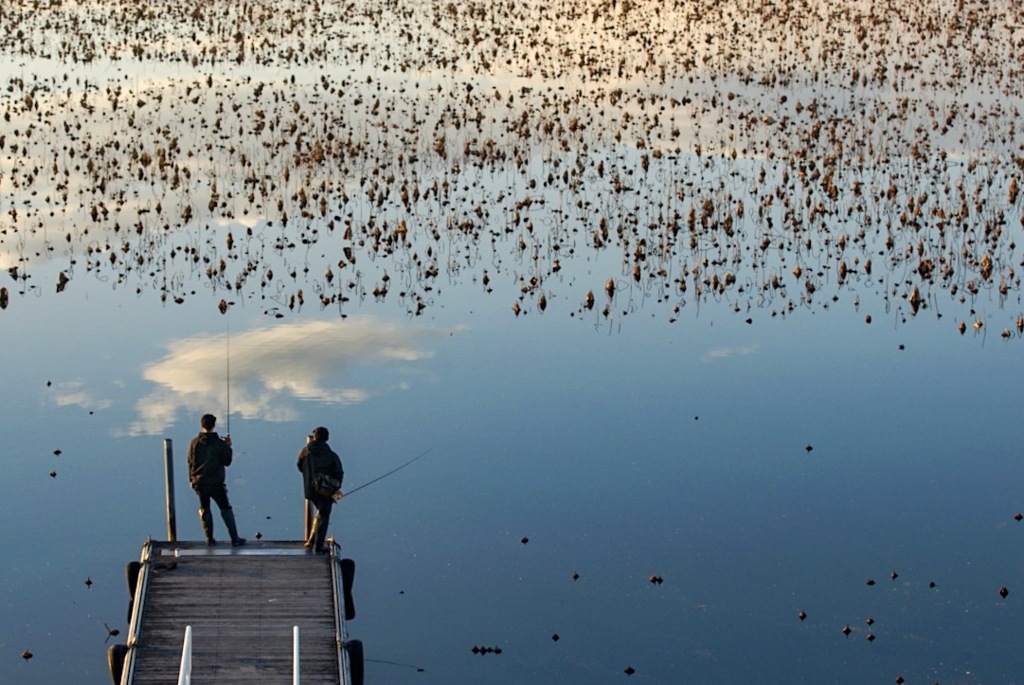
(318, 458)
(208, 454)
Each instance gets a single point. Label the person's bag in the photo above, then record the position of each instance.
(326, 485)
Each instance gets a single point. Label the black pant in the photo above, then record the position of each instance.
(218, 493)
(323, 517)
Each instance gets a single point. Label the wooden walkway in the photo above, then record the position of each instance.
(242, 603)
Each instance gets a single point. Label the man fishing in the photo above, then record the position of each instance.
(321, 478)
(208, 454)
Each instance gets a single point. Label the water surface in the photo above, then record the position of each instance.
(403, 219)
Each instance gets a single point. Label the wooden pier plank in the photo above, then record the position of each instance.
(242, 607)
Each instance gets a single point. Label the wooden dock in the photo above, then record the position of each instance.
(242, 604)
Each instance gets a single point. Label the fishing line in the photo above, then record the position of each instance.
(418, 457)
(395, 663)
(228, 344)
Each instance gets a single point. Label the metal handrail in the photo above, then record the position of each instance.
(295, 655)
(185, 672)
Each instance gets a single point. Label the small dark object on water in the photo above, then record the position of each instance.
(870, 637)
(899, 680)
(111, 632)
(870, 621)
(486, 650)
(26, 655)
(88, 582)
(1003, 592)
(524, 539)
(931, 584)
(894, 575)
(57, 452)
(575, 576)
(808, 447)
(870, 581)
(555, 637)
(656, 580)
(801, 614)
(1018, 516)
(629, 670)
(847, 630)
(258, 535)
(53, 474)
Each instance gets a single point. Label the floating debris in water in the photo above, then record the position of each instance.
(485, 650)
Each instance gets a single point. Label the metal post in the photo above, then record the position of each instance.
(307, 524)
(295, 655)
(172, 524)
(307, 513)
(185, 672)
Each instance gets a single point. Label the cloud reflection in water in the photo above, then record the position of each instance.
(272, 368)
(727, 352)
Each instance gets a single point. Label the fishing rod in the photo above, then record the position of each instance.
(228, 339)
(416, 458)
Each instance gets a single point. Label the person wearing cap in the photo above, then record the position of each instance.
(208, 454)
(315, 460)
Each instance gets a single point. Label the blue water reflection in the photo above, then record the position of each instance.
(771, 405)
(676, 452)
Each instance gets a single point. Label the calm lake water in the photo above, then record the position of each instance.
(710, 293)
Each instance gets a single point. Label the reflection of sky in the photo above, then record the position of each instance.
(270, 369)
(648, 441)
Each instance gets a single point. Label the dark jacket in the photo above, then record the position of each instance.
(318, 457)
(207, 457)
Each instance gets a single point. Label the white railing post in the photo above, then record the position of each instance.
(295, 655)
(185, 673)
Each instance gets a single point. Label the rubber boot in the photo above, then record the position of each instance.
(229, 520)
(311, 540)
(319, 535)
(206, 519)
